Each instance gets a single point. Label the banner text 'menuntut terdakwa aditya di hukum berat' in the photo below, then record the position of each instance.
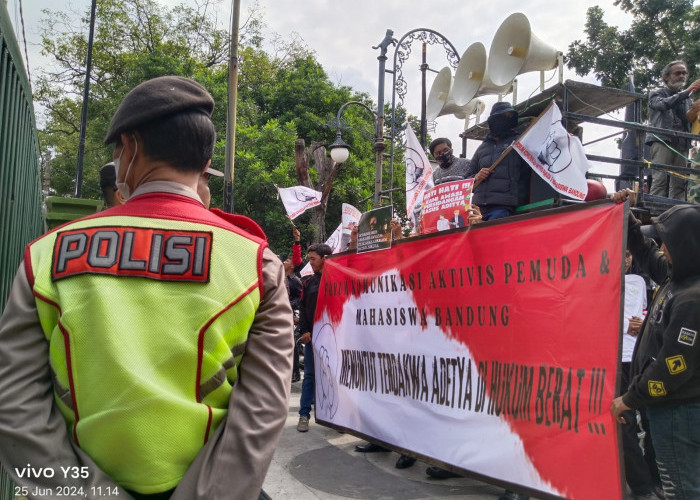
(492, 349)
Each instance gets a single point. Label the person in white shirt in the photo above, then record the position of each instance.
(640, 471)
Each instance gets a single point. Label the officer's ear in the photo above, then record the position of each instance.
(130, 147)
(118, 197)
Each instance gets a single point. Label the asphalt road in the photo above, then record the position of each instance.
(322, 464)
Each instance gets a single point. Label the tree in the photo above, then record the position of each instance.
(295, 93)
(134, 40)
(661, 31)
(327, 171)
(283, 95)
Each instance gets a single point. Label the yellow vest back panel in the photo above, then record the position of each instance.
(146, 320)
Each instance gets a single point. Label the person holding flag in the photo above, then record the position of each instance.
(499, 191)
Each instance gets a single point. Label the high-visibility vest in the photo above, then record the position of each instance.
(147, 319)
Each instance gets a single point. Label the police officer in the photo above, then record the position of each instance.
(665, 368)
(148, 347)
(108, 185)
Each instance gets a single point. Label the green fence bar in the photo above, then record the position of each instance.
(20, 179)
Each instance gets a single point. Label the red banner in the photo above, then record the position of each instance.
(493, 349)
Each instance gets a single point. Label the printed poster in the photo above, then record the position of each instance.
(446, 206)
(374, 231)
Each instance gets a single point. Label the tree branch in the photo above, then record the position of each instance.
(302, 162)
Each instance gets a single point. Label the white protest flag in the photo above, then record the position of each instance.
(338, 241)
(419, 175)
(351, 216)
(298, 199)
(555, 155)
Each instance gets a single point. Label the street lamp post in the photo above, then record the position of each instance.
(340, 150)
(230, 158)
(83, 114)
(399, 85)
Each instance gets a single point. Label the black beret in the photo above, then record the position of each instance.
(157, 98)
(108, 176)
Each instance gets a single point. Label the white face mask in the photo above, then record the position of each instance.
(123, 187)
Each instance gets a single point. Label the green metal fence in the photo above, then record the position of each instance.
(20, 180)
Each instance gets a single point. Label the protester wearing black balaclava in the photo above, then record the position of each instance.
(446, 158)
(507, 186)
(501, 123)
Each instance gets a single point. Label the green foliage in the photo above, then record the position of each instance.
(301, 96)
(283, 95)
(661, 31)
(264, 158)
(134, 40)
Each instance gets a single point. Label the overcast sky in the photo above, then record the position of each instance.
(342, 33)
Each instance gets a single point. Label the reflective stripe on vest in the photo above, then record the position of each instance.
(147, 320)
(219, 377)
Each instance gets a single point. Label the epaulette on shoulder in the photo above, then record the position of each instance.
(241, 221)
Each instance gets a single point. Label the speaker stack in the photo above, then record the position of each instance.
(515, 50)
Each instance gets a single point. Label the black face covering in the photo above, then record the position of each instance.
(499, 125)
(445, 159)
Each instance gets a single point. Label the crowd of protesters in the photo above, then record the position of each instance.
(163, 194)
(647, 421)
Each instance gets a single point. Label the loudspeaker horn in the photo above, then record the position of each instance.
(515, 50)
(440, 101)
(479, 107)
(471, 77)
(439, 94)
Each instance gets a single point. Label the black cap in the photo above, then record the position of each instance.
(157, 98)
(108, 176)
(502, 107)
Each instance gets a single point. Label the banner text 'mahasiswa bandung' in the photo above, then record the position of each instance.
(492, 349)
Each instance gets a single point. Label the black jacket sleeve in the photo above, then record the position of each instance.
(660, 101)
(645, 252)
(663, 379)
